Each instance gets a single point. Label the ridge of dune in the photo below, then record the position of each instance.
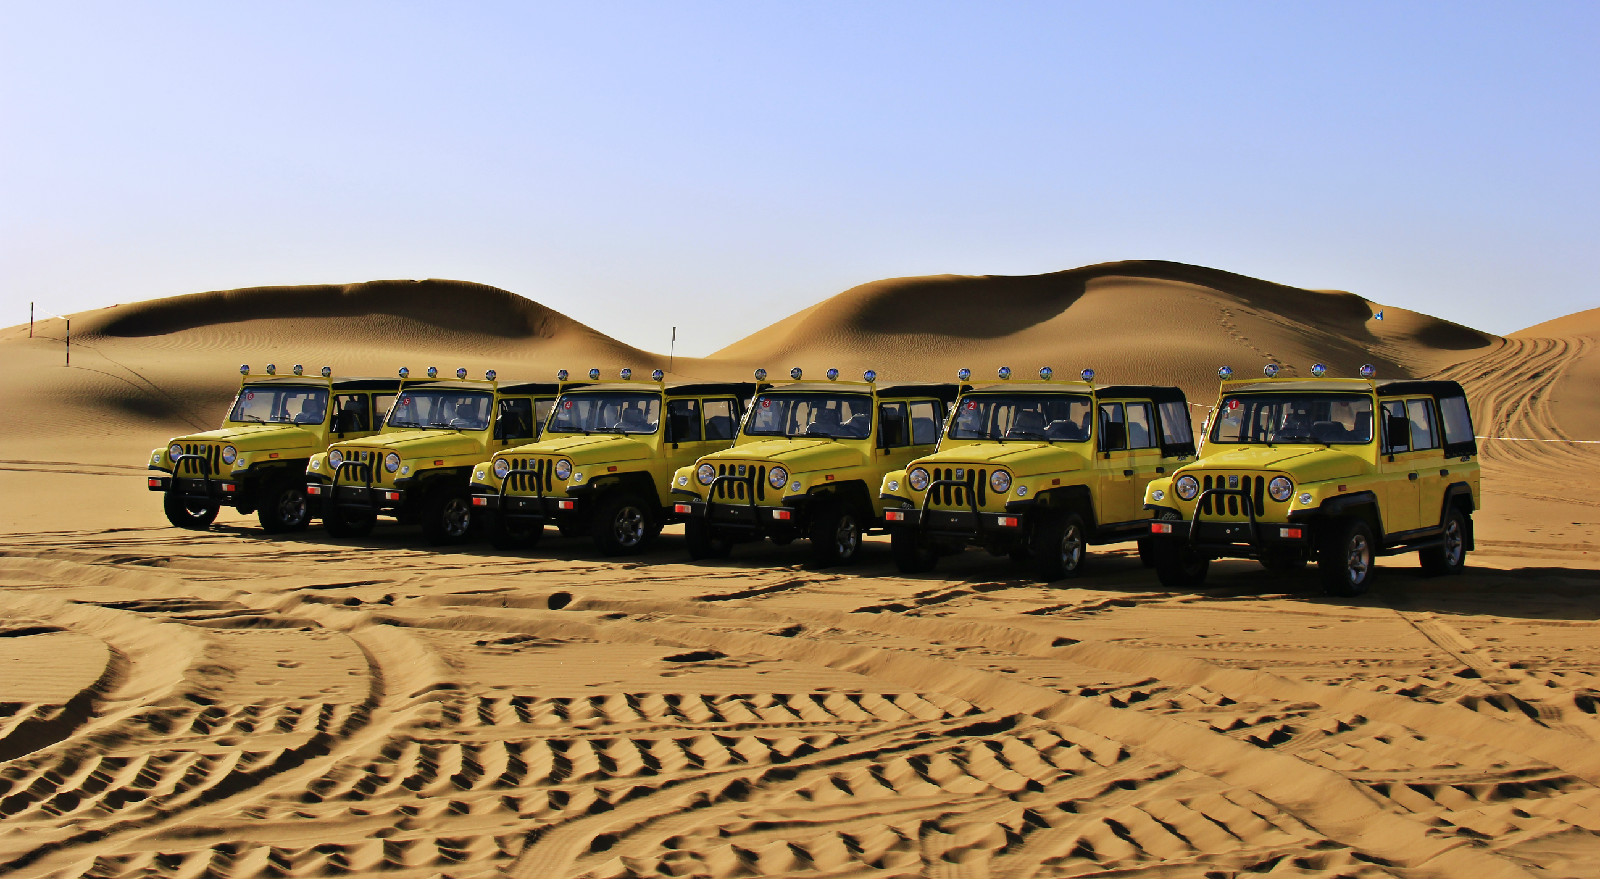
(1579, 323)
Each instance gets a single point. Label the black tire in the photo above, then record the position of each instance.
(912, 554)
(345, 522)
(512, 534)
(835, 534)
(1347, 557)
(571, 526)
(195, 515)
(284, 506)
(447, 515)
(1282, 562)
(1451, 558)
(1177, 567)
(1147, 552)
(623, 524)
(1060, 546)
(703, 542)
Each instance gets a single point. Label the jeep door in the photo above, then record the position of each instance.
(1127, 455)
(907, 430)
(516, 423)
(1428, 456)
(696, 427)
(1400, 469)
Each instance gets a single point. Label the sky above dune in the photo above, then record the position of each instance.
(717, 166)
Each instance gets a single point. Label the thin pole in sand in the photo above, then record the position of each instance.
(69, 340)
(30, 320)
(672, 352)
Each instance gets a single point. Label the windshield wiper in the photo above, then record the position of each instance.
(244, 415)
(404, 424)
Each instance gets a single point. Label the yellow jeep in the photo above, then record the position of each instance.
(418, 468)
(605, 464)
(1038, 470)
(1336, 470)
(805, 463)
(256, 461)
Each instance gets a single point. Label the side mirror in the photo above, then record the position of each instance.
(1397, 433)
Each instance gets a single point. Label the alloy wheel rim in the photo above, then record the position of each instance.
(457, 516)
(292, 507)
(630, 526)
(1454, 544)
(848, 536)
(1360, 559)
(1071, 547)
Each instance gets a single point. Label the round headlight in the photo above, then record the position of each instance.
(563, 468)
(777, 477)
(1000, 481)
(174, 450)
(391, 461)
(229, 454)
(1187, 487)
(335, 458)
(1280, 488)
(501, 467)
(918, 479)
(705, 473)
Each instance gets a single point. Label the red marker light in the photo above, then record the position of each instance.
(155, 482)
(1008, 521)
(894, 515)
(682, 508)
(782, 514)
(480, 502)
(1160, 528)
(313, 489)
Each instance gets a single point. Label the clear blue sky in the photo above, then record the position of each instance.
(718, 166)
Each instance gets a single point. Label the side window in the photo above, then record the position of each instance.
(1177, 436)
(381, 404)
(1396, 427)
(683, 421)
(893, 430)
(1458, 438)
(720, 422)
(515, 421)
(1422, 433)
(1113, 430)
(541, 414)
(925, 419)
(350, 413)
(1140, 434)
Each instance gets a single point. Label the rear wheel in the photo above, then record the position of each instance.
(1177, 566)
(1451, 558)
(447, 515)
(512, 533)
(191, 513)
(623, 524)
(346, 522)
(912, 554)
(703, 542)
(835, 534)
(1346, 558)
(283, 505)
(1059, 547)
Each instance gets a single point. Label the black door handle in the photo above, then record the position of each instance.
(1127, 473)
(1413, 477)
(1444, 472)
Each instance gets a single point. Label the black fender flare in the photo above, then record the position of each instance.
(1362, 503)
(1068, 497)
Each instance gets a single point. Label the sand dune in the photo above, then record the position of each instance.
(235, 705)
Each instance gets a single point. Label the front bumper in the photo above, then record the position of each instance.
(971, 525)
(741, 515)
(227, 492)
(524, 507)
(1249, 539)
(376, 498)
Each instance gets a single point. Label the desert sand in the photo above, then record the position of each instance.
(229, 704)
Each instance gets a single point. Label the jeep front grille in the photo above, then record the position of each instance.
(365, 468)
(739, 489)
(1229, 505)
(973, 482)
(540, 481)
(194, 466)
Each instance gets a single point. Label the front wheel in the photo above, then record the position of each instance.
(1450, 558)
(622, 524)
(703, 542)
(346, 522)
(912, 554)
(1177, 566)
(447, 515)
(835, 534)
(195, 515)
(1059, 547)
(510, 533)
(1346, 558)
(283, 506)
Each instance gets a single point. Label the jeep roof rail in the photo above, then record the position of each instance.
(531, 387)
(1437, 388)
(946, 391)
(1154, 393)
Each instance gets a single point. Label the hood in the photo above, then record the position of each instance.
(255, 437)
(1021, 458)
(796, 455)
(1308, 464)
(421, 443)
(591, 449)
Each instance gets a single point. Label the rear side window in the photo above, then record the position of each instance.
(1113, 430)
(515, 421)
(925, 418)
(894, 431)
(1141, 426)
(1458, 438)
(1177, 436)
(720, 421)
(683, 421)
(1395, 427)
(351, 413)
(1420, 412)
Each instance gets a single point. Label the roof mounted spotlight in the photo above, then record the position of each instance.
(489, 375)
(272, 369)
(870, 376)
(327, 372)
(1005, 373)
(299, 370)
(244, 369)
(1046, 373)
(1319, 370)
(433, 372)
(795, 373)
(1087, 374)
(561, 375)
(833, 374)
(1367, 371)
(627, 374)
(594, 375)
(657, 375)
(761, 375)
(963, 374)
(461, 372)
(1270, 370)
(405, 372)
(1225, 373)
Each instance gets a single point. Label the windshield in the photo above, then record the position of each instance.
(1050, 417)
(280, 405)
(619, 412)
(841, 416)
(1332, 419)
(442, 407)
